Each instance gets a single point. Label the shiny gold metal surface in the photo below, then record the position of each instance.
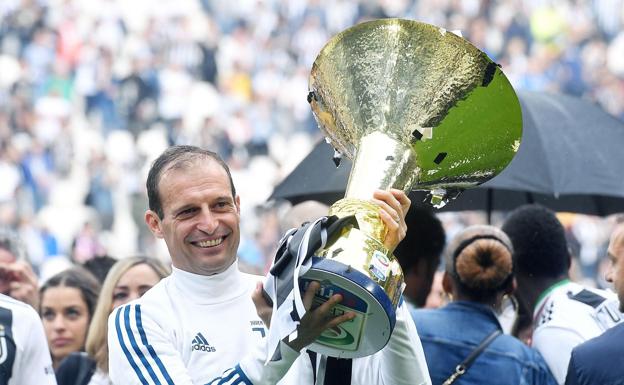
(415, 107)
(443, 115)
(357, 247)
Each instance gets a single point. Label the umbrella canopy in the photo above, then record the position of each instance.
(570, 159)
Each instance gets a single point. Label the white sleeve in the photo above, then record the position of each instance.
(400, 362)
(34, 365)
(269, 373)
(555, 344)
(140, 353)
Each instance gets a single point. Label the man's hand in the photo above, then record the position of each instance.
(393, 205)
(263, 306)
(22, 281)
(316, 321)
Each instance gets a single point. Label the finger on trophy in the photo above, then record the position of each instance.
(388, 204)
(332, 318)
(403, 199)
(308, 296)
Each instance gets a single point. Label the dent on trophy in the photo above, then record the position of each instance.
(414, 107)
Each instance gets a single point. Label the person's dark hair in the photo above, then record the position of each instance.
(479, 259)
(539, 241)
(425, 239)
(99, 266)
(79, 278)
(177, 157)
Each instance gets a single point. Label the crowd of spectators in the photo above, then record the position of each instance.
(91, 91)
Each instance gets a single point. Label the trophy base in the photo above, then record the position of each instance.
(375, 317)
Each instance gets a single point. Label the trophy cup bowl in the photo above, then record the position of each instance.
(415, 107)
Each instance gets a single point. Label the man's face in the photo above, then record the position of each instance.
(201, 219)
(615, 271)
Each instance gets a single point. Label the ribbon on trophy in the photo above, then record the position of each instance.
(292, 260)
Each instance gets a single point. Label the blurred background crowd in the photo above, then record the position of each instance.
(92, 91)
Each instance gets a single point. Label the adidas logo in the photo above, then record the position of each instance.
(200, 343)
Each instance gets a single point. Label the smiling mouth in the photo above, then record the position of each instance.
(209, 243)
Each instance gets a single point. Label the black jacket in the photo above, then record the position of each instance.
(76, 369)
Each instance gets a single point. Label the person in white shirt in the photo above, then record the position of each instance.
(565, 313)
(200, 325)
(24, 354)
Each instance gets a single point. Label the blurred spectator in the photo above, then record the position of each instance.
(135, 90)
(129, 279)
(10, 172)
(38, 172)
(68, 301)
(17, 278)
(100, 195)
(86, 245)
(99, 266)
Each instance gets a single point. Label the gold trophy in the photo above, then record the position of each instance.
(415, 107)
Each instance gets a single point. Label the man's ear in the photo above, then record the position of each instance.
(153, 223)
(511, 288)
(237, 203)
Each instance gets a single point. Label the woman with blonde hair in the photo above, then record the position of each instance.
(464, 340)
(127, 280)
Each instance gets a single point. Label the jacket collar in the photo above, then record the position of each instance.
(210, 289)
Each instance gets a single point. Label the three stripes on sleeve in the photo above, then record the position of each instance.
(144, 360)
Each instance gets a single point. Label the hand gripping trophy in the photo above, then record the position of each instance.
(415, 107)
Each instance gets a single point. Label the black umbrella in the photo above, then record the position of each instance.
(571, 159)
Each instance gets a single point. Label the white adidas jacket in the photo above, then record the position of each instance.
(193, 329)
